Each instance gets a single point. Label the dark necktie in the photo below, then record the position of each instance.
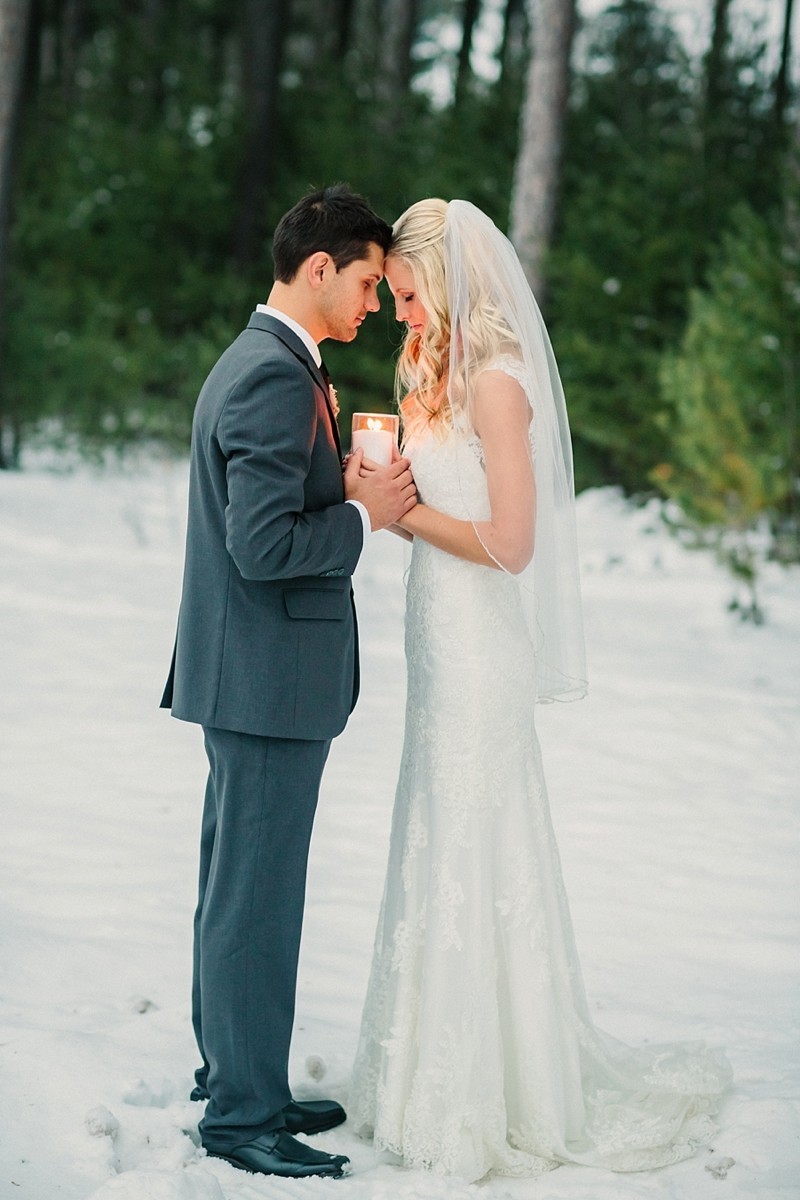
(326, 377)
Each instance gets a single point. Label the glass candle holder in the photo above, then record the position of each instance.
(375, 434)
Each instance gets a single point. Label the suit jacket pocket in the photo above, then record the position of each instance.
(316, 604)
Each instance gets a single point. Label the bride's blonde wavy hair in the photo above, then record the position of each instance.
(425, 393)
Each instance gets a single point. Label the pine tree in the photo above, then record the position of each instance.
(731, 392)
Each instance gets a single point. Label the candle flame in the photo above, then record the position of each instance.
(374, 423)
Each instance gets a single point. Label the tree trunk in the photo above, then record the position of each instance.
(513, 34)
(537, 173)
(151, 20)
(72, 19)
(345, 12)
(782, 83)
(14, 23)
(715, 59)
(366, 36)
(330, 30)
(463, 72)
(263, 36)
(397, 40)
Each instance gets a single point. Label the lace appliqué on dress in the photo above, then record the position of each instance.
(477, 1051)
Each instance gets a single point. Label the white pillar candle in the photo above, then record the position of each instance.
(375, 434)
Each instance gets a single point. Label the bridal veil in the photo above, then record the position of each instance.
(483, 272)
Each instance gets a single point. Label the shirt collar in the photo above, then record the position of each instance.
(303, 334)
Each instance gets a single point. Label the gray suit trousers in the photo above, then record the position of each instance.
(259, 809)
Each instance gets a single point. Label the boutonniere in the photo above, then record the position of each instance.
(334, 399)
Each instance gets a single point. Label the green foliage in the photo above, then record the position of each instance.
(636, 230)
(122, 292)
(731, 389)
(117, 303)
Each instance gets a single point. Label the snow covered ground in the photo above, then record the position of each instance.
(675, 795)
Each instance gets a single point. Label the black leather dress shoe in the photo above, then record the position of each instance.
(302, 1116)
(313, 1116)
(280, 1154)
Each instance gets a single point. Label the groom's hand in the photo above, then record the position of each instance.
(387, 493)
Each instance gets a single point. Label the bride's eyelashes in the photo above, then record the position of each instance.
(403, 299)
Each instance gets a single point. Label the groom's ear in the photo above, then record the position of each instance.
(316, 267)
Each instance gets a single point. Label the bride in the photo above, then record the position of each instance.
(477, 1051)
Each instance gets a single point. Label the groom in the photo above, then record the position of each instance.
(266, 660)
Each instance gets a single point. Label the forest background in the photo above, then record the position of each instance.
(649, 177)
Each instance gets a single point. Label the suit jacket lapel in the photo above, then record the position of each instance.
(293, 343)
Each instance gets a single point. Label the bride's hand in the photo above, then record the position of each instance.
(367, 465)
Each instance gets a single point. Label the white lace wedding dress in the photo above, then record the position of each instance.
(477, 1051)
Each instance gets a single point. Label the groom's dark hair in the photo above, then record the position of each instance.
(335, 219)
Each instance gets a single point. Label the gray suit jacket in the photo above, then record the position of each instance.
(267, 639)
